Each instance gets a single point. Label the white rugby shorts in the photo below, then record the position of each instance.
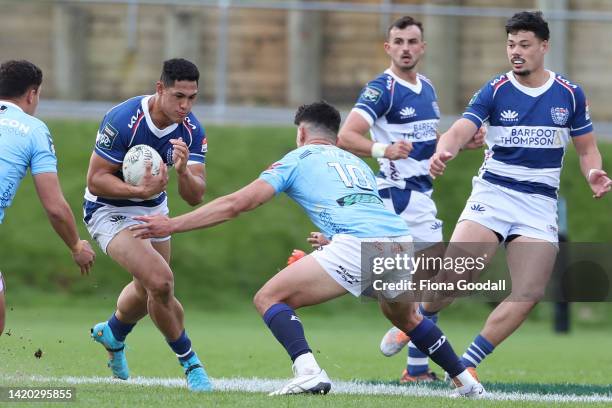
(341, 259)
(509, 212)
(107, 221)
(420, 213)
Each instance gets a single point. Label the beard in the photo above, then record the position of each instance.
(524, 72)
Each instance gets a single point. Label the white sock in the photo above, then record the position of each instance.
(465, 378)
(306, 364)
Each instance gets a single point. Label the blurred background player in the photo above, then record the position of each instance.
(400, 111)
(26, 143)
(347, 208)
(163, 121)
(533, 113)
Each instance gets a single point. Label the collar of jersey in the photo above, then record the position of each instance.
(3, 102)
(154, 129)
(416, 88)
(535, 92)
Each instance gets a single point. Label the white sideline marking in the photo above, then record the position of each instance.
(265, 385)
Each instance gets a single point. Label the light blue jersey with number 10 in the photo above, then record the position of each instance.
(338, 191)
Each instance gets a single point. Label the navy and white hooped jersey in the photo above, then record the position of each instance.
(129, 124)
(398, 110)
(529, 131)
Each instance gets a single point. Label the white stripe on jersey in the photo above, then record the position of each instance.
(362, 111)
(521, 173)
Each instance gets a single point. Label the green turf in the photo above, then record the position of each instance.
(238, 344)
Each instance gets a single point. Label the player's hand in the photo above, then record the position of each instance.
(317, 240)
(437, 163)
(153, 226)
(398, 150)
(83, 256)
(151, 185)
(478, 140)
(600, 183)
(180, 155)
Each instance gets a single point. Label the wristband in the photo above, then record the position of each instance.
(378, 150)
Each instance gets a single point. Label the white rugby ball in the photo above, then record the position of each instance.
(134, 163)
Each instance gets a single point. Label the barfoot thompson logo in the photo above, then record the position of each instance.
(559, 116)
(477, 208)
(408, 112)
(509, 116)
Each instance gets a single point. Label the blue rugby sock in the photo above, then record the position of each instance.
(182, 347)
(417, 363)
(430, 340)
(120, 330)
(478, 350)
(287, 328)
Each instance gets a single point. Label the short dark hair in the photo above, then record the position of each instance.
(179, 69)
(17, 77)
(320, 115)
(404, 22)
(529, 21)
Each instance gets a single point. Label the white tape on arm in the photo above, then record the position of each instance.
(378, 150)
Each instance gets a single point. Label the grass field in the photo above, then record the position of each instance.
(532, 365)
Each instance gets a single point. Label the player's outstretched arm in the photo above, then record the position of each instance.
(449, 145)
(101, 180)
(61, 218)
(590, 164)
(217, 211)
(191, 177)
(352, 137)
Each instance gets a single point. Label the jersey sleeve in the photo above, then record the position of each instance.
(43, 159)
(581, 120)
(374, 100)
(111, 143)
(199, 147)
(281, 174)
(479, 107)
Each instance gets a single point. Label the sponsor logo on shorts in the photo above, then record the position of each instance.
(294, 317)
(117, 218)
(3, 109)
(552, 228)
(436, 225)
(347, 277)
(478, 208)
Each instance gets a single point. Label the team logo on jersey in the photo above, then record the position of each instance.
(473, 99)
(106, 137)
(371, 94)
(509, 116)
(407, 112)
(559, 115)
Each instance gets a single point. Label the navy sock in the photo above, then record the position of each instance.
(478, 350)
(430, 340)
(182, 347)
(287, 328)
(417, 360)
(120, 330)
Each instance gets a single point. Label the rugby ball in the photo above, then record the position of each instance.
(134, 163)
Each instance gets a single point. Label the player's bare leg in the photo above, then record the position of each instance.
(429, 339)
(303, 283)
(530, 262)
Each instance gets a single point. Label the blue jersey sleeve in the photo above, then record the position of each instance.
(281, 174)
(479, 107)
(375, 99)
(581, 120)
(43, 159)
(199, 146)
(111, 144)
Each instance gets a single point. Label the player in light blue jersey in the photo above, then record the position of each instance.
(25, 143)
(400, 111)
(163, 121)
(533, 115)
(338, 192)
